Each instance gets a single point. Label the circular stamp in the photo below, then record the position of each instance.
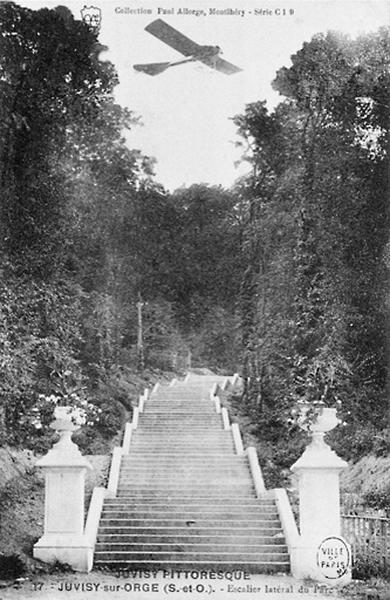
(333, 557)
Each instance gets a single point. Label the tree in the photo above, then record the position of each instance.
(314, 290)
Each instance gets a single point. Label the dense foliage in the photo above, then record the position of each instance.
(69, 187)
(287, 273)
(87, 237)
(314, 296)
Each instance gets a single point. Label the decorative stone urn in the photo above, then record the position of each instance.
(67, 420)
(64, 539)
(318, 472)
(324, 420)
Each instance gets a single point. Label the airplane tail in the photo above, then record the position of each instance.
(152, 68)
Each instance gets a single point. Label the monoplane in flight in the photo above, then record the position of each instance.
(209, 55)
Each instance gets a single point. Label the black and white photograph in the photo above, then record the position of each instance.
(194, 300)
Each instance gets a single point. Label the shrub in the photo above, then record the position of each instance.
(11, 566)
(378, 498)
(365, 567)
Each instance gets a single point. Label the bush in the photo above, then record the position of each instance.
(369, 567)
(96, 438)
(353, 441)
(11, 566)
(378, 498)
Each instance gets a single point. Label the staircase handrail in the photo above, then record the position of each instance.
(217, 403)
(225, 418)
(113, 479)
(127, 438)
(255, 470)
(237, 438)
(287, 518)
(94, 513)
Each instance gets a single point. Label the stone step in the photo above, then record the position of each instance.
(173, 424)
(179, 439)
(199, 419)
(175, 508)
(219, 434)
(190, 515)
(177, 477)
(156, 424)
(185, 405)
(178, 412)
(180, 395)
(189, 461)
(124, 490)
(264, 567)
(185, 430)
(150, 465)
(210, 521)
(193, 455)
(193, 472)
(172, 412)
(211, 419)
(213, 422)
(174, 416)
(232, 556)
(163, 455)
(187, 538)
(222, 439)
(147, 497)
(179, 447)
(191, 443)
(198, 547)
(209, 531)
(198, 468)
(184, 413)
(263, 503)
(174, 476)
(172, 440)
(187, 448)
(205, 491)
(151, 453)
(197, 458)
(185, 482)
(233, 466)
(188, 464)
(160, 492)
(172, 429)
(198, 508)
(174, 419)
(190, 403)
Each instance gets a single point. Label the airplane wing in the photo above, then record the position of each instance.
(218, 63)
(173, 38)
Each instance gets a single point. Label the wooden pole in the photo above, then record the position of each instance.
(140, 343)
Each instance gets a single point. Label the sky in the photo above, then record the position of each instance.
(187, 111)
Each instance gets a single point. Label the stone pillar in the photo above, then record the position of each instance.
(322, 554)
(64, 539)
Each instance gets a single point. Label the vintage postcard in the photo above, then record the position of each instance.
(194, 242)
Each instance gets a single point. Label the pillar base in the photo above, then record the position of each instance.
(326, 561)
(74, 550)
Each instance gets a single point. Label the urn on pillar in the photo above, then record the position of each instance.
(64, 539)
(322, 554)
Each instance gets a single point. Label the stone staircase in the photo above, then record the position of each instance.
(185, 497)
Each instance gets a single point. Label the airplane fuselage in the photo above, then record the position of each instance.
(207, 52)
